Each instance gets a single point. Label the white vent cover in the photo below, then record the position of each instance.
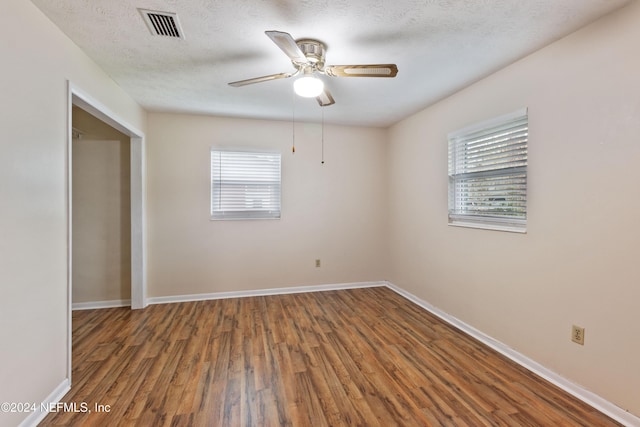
(162, 23)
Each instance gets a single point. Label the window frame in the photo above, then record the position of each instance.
(511, 174)
(246, 214)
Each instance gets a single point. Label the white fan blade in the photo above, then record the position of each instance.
(260, 79)
(325, 99)
(288, 46)
(373, 70)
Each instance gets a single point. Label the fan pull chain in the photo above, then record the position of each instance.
(293, 122)
(322, 133)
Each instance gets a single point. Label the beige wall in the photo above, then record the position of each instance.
(101, 211)
(335, 212)
(37, 60)
(578, 263)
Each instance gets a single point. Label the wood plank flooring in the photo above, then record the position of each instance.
(360, 357)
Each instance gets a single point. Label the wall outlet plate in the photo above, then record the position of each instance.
(577, 334)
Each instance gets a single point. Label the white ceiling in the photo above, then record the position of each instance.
(440, 46)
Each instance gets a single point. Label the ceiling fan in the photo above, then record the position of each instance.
(307, 57)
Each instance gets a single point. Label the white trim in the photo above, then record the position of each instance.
(91, 305)
(55, 396)
(138, 225)
(68, 195)
(101, 111)
(494, 121)
(486, 226)
(575, 390)
(245, 149)
(138, 186)
(262, 292)
(138, 260)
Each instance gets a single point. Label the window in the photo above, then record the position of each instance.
(488, 174)
(245, 184)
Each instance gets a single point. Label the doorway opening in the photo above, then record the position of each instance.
(136, 255)
(101, 221)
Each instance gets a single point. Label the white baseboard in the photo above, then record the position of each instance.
(575, 390)
(262, 292)
(54, 397)
(101, 304)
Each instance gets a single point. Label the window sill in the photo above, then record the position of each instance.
(493, 227)
(244, 218)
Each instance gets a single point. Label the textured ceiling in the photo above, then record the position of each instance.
(440, 46)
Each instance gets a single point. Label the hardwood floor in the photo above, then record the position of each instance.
(361, 357)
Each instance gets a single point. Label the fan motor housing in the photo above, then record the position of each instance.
(313, 50)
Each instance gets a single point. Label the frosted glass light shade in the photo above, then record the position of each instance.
(308, 87)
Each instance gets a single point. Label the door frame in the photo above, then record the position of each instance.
(81, 99)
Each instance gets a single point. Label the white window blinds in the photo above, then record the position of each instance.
(245, 184)
(488, 174)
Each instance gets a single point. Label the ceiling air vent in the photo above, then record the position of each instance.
(162, 23)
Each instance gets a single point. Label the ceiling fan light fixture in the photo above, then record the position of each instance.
(308, 86)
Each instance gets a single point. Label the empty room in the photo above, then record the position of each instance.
(320, 213)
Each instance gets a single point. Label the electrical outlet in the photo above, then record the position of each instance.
(317, 263)
(577, 334)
